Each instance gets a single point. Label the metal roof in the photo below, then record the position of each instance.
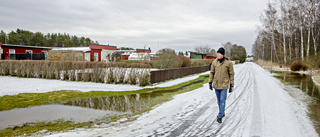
(23, 46)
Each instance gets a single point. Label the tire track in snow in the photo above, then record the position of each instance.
(199, 119)
(256, 126)
(203, 121)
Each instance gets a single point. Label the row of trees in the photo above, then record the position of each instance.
(235, 52)
(291, 28)
(25, 37)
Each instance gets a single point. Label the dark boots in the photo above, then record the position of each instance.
(219, 120)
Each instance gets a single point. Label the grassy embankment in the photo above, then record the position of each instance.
(275, 66)
(34, 99)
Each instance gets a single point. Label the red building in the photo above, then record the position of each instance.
(9, 51)
(211, 57)
(96, 51)
(196, 55)
(143, 50)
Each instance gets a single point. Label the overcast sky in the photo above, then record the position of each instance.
(178, 24)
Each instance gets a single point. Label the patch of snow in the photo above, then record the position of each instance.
(15, 85)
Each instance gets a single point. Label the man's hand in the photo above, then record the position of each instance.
(230, 88)
(210, 86)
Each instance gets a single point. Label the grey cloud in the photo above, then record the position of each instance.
(177, 24)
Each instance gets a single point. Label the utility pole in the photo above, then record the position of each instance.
(271, 52)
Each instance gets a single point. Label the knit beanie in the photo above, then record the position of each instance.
(221, 51)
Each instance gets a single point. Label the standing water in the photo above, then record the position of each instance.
(305, 84)
(87, 109)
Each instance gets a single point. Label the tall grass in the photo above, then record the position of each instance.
(77, 71)
(267, 64)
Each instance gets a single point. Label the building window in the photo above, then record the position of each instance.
(12, 51)
(12, 54)
(96, 56)
(28, 51)
(86, 56)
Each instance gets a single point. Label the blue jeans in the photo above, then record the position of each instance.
(221, 98)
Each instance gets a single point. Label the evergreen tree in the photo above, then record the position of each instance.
(48, 40)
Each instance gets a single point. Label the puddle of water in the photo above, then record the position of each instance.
(21, 116)
(85, 109)
(304, 83)
(125, 103)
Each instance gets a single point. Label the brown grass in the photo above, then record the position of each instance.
(267, 64)
(317, 78)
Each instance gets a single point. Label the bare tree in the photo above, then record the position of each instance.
(227, 47)
(203, 49)
(212, 53)
(292, 27)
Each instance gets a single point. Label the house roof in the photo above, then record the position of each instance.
(103, 45)
(83, 49)
(23, 46)
(197, 53)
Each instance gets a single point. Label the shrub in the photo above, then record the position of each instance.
(50, 70)
(97, 75)
(167, 60)
(144, 77)
(298, 65)
(121, 75)
(186, 62)
(133, 76)
(19, 69)
(4, 68)
(30, 69)
(109, 76)
(201, 62)
(12, 68)
(78, 71)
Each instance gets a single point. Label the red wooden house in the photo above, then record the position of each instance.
(143, 50)
(97, 51)
(9, 51)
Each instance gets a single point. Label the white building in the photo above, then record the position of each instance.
(139, 56)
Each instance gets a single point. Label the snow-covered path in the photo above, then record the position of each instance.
(259, 106)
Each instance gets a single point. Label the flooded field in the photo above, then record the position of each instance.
(305, 84)
(87, 109)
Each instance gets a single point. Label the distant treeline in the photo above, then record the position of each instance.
(26, 37)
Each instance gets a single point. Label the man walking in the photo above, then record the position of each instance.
(221, 78)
